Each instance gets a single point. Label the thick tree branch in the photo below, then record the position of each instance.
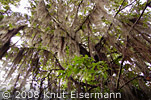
(13, 32)
(76, 16)
(72, 38)
(83, 51)
(103, 37)
(102, 41)
(7, 39)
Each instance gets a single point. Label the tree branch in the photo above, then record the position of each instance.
(103, 38)
(75, 18)
(127, 44)
(12, 33)
(87, 18)
(129, 81)
(120, 72)
(71, 78)
(62, 68)
(7, 39)
(139, 17)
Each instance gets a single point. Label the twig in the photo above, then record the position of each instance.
(120, 8)
(94, 8)
(139, 17)
(128, 5)
(120, 72)
(57, 61)
(117, 86)
(129, 81)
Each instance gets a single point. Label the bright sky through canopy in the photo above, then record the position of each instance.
(24, 3)
(22, 7)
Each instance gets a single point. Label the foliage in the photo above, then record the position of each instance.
(77, 45)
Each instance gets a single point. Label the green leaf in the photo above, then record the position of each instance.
(69, 73)
(1, 17)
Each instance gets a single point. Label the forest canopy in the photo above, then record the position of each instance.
(85, 46)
